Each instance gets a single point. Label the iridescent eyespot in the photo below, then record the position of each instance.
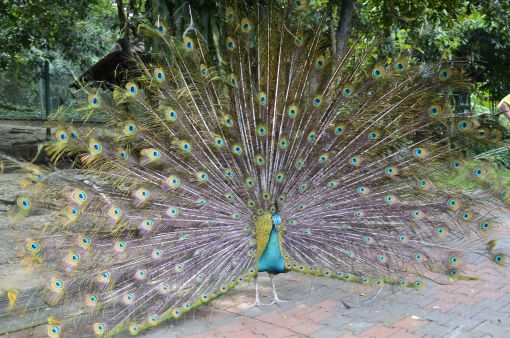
(230, 14)
(453, 259)
(453, 204)
(160, 28)
(390, 199)
(134, 329)
(300, 4)
(228, 121)
(159, 75)
(24, 203)
(249, 182)
(120, 246)
(156, 254)
(173, 181)
(229, 173)
(298, 163)
(94, 100)
(355, 160)
(485, 226)
(152, 154)
(73, 258)
(122, 154)
(131, 89)
(170, 114)
(261, 130)
(359, 213)
(233, 80)
(347, 91)
(283, 143)
(417, 214)
(237, 149)
(188, 43)
(391, 171)
(53, 330)
(466, 216)
(179, 267)
(152, 319)
(79, 196)
(99, 328)
(231, 45)
(499, 259)
(185, 146)
(280, 177)
(115, 213)
(479, 172)
(164, 288)
(203, 70)
(176, 313)
(299, 40)
(424, 184)
(362, 190)
(245, 25)
(141, 274)
(323, 158)
(435, 110)
(481, 133)
(312, 136)
(317, 101)
(420, 152)
(57, 284)
(320, 62)
(444, 74)
(95, 148)
(339, 129)
(292, 111)
(61, 136)
(378, 72)
(400, 66)
(374, 135)
(128, 298)
(262, 99)
(33, 246)
(83, 242)
(129, 129)
(172, 212)
(440, 231)
(464, 125)
(218, 141)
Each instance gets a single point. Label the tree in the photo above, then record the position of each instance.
(31, 30)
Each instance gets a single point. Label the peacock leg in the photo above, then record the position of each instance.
(276, 300)
(257, 302)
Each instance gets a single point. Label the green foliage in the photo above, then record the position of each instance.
(33, 29)
(474, 30)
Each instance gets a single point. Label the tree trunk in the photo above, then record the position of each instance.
(344, 29)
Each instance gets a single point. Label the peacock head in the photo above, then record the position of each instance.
(276, 217)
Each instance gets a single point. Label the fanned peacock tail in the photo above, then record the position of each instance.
(168, 207)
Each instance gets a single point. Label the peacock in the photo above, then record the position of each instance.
(267, 153)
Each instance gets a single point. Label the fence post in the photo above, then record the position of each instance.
(46, 76)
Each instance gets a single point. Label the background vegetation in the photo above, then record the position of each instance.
(72, 35)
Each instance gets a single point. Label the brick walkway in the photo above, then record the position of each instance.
(464, 309)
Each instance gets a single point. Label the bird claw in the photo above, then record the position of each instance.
(257, 303)
(277, 301)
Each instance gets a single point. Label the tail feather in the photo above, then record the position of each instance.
(160, 217)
